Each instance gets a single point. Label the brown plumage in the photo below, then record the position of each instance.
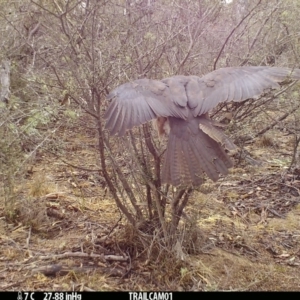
(195, 143)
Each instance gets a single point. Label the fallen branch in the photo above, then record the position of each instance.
(102, 257)
(54, 270)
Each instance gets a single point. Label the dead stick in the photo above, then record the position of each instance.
(273, 124)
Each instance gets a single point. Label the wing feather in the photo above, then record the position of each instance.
(238, 84)
(138, 102)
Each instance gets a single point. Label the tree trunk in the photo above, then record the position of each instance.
(5, 80)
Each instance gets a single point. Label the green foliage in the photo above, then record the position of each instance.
(37, 118)
(71, 114)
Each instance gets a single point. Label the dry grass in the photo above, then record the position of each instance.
(230, 242)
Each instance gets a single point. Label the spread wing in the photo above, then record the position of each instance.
(235, 84)
(138, 102)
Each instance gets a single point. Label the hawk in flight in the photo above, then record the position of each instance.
(181, 105)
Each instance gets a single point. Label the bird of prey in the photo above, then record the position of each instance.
(181, 104)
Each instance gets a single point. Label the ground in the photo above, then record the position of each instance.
(64, 232)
